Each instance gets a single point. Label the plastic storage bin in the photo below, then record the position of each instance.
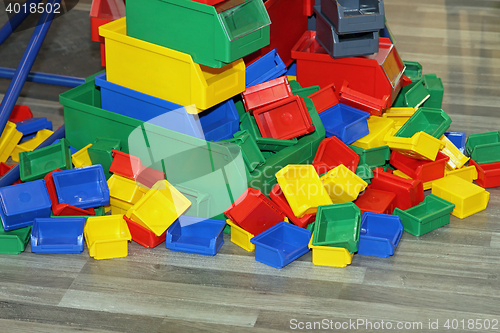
(377, 127)
(379, 235)
(342, 184)
(331, 153)
(140, 106)
(363, 102)
(33, 125)
(254, 212)
(195, 235)
(413, 70)
(297, 183)
(266, 68)
(345, 122)
(376, 201)
(468, 173)
(15, 241)
(248, 123)
(81, 158)
(36, 164)
(373, 157)
(281, 244)
(416, 95)
(408, 192)
(144, 236)
(220, 122)
(399, 115)
(4, 168)
(340, 46)
(325, 98)
(353, 16)
(107, 237)
(458, 139)
(241, 237)
(20, 113)
(431, 121)
(165, 73)
(285, 119)
(420, 146)
(131, 167)
(456, 158)
(434, 86)
(101, 152)
(22, 203)
(277, 196)
(338, 226)
(84, 187)
(484, 147)
(30, 144)
(8, 141)
(488, 174)
(330, 256)
(125, 189)
(468, 198)
(266, 93)
(213, 36)
(57, 235)
(425, 171)
(249, 149)
(429, 215)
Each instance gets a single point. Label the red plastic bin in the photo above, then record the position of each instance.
(488, 175)
(325, 98)
(254, 212)
(409, 192)
(144, 236)
(131, 167)
(266, 93)
(277, 196)
(365, 74)
(285, 119)
(4, 168)
(62, 209)
(364, 102)
(376, 201)
(420, 169)
(20, 113)
(289, 21)
(331, 153)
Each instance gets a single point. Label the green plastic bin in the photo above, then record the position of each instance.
(413, 70)
(14, 241)
(36, 164)
(206, 167)
(373, 157)
(430, 214)
(417, 95)
(101, 152)
(431, 121)
(435, 87)
(249, 148)
(484, 147)
(364, 172)
(248, 123)
(213, 35)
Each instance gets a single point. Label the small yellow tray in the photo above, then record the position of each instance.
(342, 184)
(81, 158)
(457, 159)
(9, 140)
(468, 173)
(378, 127)
(241, 237)
(30, 144)
(107, 236)
(125, 189)
(330, 256)
(420, 146)
(399, 115)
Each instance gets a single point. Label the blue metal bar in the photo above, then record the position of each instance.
(22, 71)
(45, 78)
(13, 174)
(15, 21)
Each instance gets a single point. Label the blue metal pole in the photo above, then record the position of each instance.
(45, 78)
(22, 71)
(13, 174)
(15, 21)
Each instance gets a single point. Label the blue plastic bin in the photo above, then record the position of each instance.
(134, 104)
(268, 67)
(33, 125)
(220, 122)
(22, 203)
(292, 69)
(281, 244)
(57, 235)
(458, 139)
(83, 187)
(379, 235)
(195, 235)
(345, 122)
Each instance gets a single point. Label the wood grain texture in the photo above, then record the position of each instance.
(450, 273)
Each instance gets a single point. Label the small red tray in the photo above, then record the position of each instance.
(376, 201)
(266, 93)
(20, 113)
(325, 98)
(4, 168)
(409, 192)
(131, 167)
(279, 199)
(331, 153)
(144, 236)
(488, 175)
(363, 102)
(425, 171)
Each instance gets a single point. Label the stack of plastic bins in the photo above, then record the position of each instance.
(484, 147)
(315, 66)
(124, 193)
(434, 212)
(281, 244)
(266, 93)
(107, 237)
(195, 235)
(57, 235)
(379, 235)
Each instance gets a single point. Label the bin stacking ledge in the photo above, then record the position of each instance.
(207, 167)
(213, 36)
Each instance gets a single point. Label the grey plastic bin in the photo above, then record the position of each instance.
(353, 16)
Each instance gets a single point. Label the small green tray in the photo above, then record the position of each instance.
(431, 121)
(14, 242)
(373, 157)
(484, 147)
(417, 95)
(413, 70)
(364, 172)
(434, 86)
(249, 149)
(101, 152)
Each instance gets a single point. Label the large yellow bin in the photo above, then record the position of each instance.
(165, 73)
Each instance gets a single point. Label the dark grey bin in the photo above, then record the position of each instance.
(353, 16)
(341, 46)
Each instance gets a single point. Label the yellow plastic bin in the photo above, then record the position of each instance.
(159, 208)
(125, 189)
(399, 115)
(330, 256)
(457, 159)
(468, 173)
(107, 237)
(378, 127)
(119, 207)
(302, 188)
(30, 144)
(165, 73)
(467, 197)
(241, 237)
(81, 158)
(9, 140)
(420, 146)
(342, 184)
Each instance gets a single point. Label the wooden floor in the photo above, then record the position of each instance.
(451, 273)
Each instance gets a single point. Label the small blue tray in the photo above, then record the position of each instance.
(220, 122)
(83, 187)
(33, 125)
(268, 67)
(458, 139)
(57, 235)
(22, 203)
(281, 244)
(345, 122)
(379, 235)
(195, 235)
